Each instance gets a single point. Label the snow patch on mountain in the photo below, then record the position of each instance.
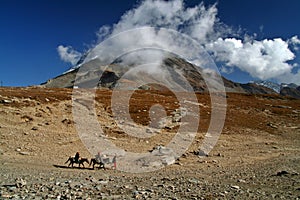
(275, 86)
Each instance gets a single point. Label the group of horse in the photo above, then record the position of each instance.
(94, 162)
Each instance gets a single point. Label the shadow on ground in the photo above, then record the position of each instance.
(66, 167)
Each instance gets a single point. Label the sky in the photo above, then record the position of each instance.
(249, 40)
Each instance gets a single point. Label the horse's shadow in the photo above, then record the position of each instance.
(66, 167)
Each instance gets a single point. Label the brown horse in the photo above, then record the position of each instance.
(72, 161)
(94, 162)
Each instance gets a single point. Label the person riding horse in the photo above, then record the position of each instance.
(98, 157)
(76, 160)
(76, 157)
(97, 161)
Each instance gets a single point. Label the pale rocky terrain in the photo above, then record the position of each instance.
(257, 155)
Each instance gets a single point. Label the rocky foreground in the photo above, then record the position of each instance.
(208, 181)
(257, 155)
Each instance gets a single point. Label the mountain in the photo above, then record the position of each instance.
(269, 84)
(173, 72)
(290, 85)
(291, 90)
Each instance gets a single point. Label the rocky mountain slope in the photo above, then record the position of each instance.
(174, 66)
(292, 92)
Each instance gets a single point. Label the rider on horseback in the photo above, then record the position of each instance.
(98, 157)
(76, 158)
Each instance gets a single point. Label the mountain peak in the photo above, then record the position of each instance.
(269, 84)
(178, 72)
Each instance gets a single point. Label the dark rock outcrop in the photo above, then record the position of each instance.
(291, 92)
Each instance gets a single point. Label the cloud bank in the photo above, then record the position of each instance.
(264, 59)
(197, 22)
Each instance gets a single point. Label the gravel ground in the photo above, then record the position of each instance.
(257, 155)
(207, 180)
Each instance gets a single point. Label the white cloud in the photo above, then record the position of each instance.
(294, 42)
(226, 69)
(290, 78)
(68, 54)
(103, 32)
(197, 22)
(262, 59)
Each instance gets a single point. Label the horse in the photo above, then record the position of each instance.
(94, 162)
(81, 161)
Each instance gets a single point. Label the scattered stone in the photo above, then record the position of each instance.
(8, 196)
(5, 101)
(103, 182)
(286, 172)
(24, 153)
(282, 106)
(20, 182)
(178, 114)
(38, 115)
(236, 187)
(67, 121)
(200, 153)
(220, 155)
(281, 173)
(193, 180)
(178, 163)
(222, 194)
(272, 125)
(168, 160)
(12, 188)
(127, 187)
(27, 118)
(148, 130)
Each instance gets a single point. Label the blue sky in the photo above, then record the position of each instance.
(31, 31)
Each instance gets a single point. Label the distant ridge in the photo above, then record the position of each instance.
(291, 90)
